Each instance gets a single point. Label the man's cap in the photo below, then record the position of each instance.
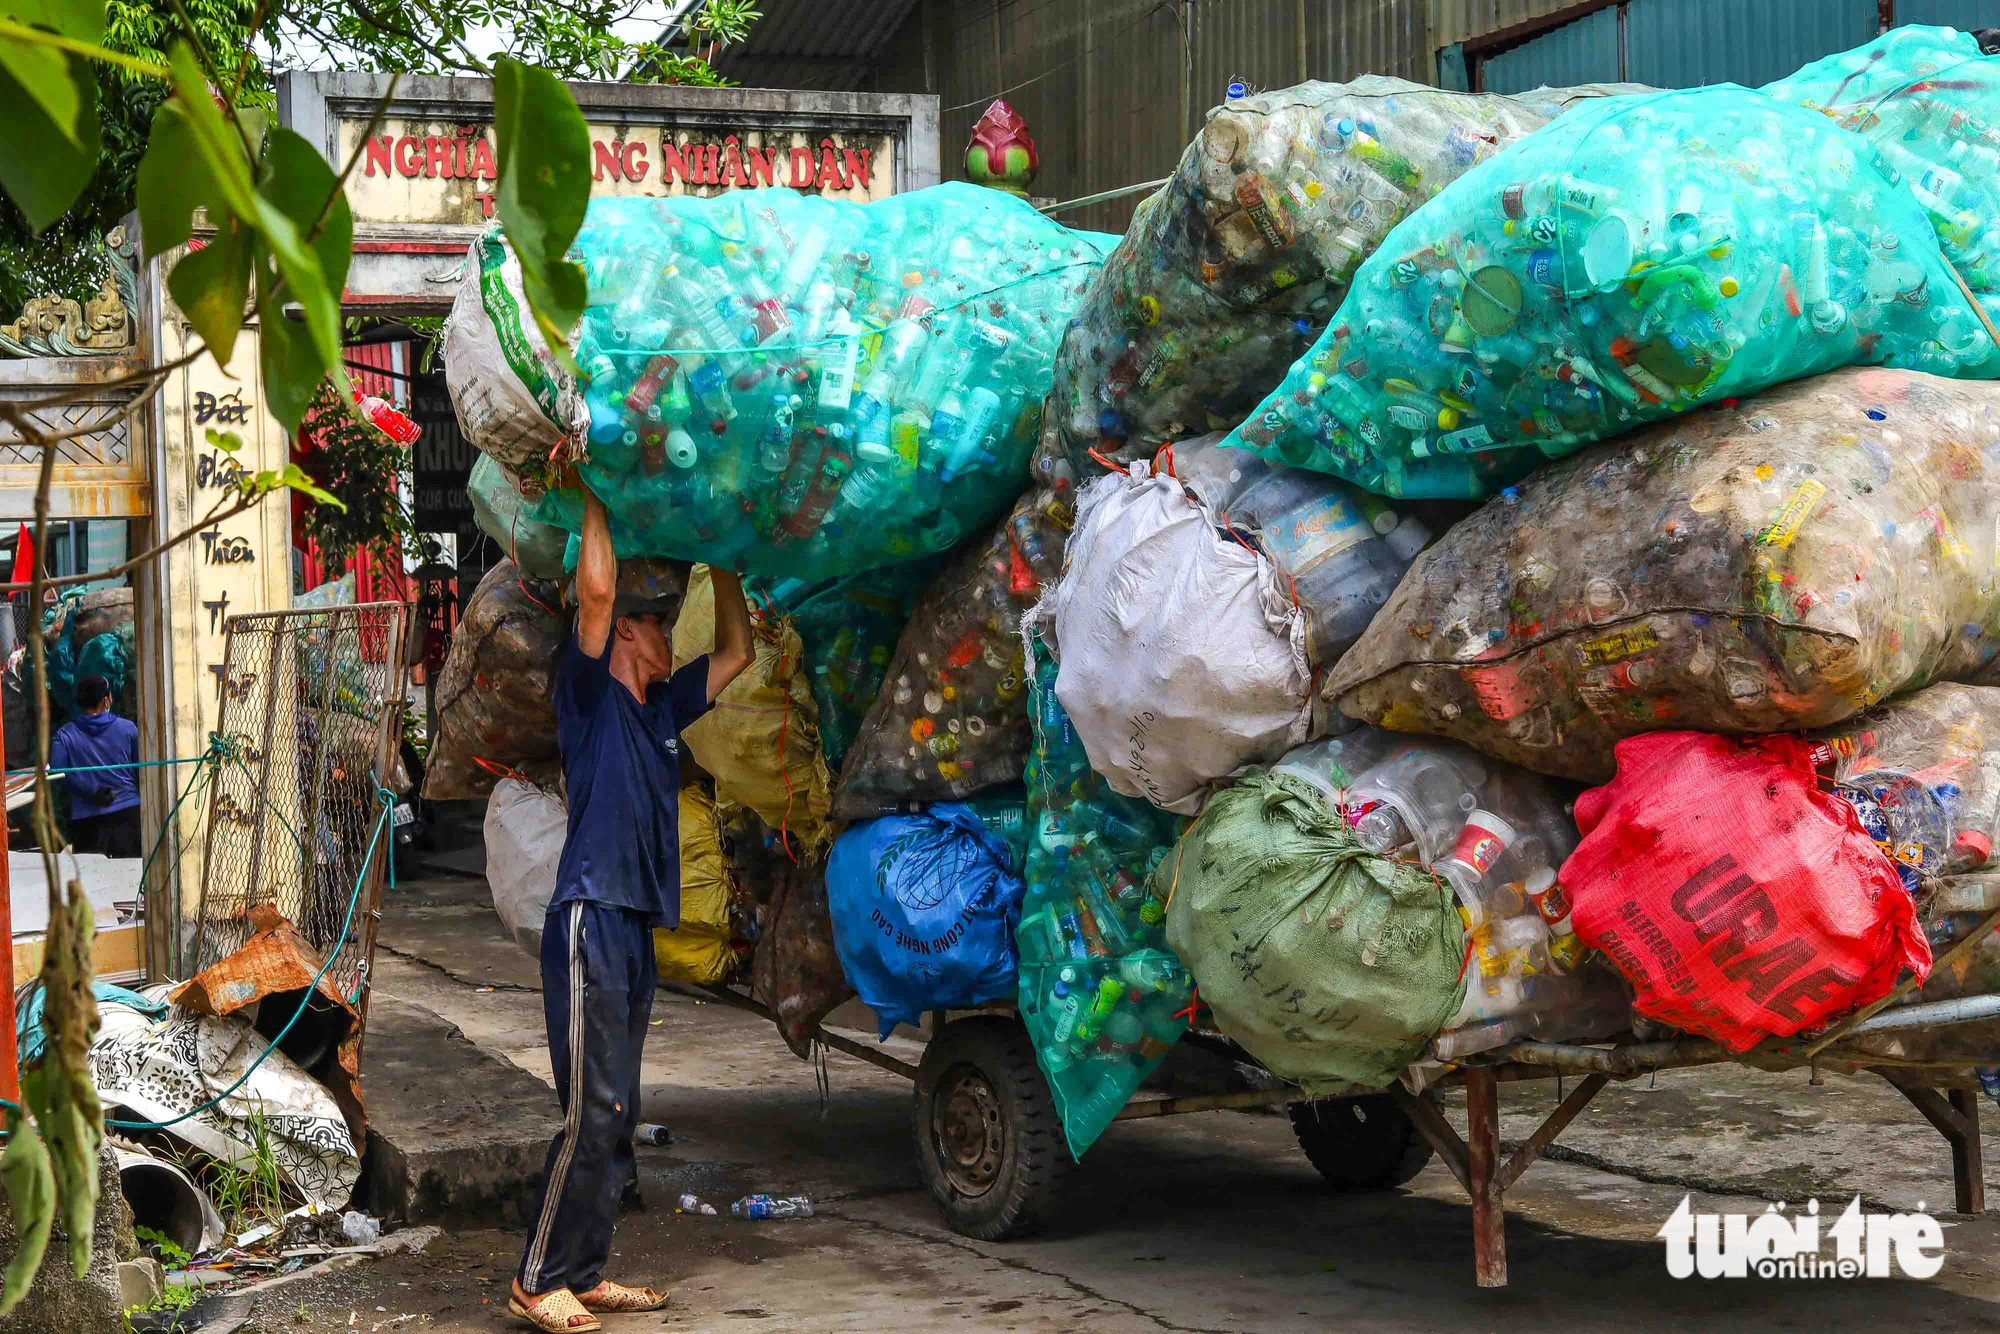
(638, 604)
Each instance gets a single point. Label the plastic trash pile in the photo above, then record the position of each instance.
(1185, 692)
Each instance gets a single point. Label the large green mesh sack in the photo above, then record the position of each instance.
(1640, 257)
(1331, 965)
(1929, 100)
(849, 630)
(1230, 269)
(783, 384)
(1102, 995)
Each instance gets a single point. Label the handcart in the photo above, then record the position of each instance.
(992, 1151)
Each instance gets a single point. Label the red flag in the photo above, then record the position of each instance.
(24, 557)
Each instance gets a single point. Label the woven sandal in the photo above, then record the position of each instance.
(552, 1313)
(616, 1298)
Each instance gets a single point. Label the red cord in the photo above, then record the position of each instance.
(1112, 464)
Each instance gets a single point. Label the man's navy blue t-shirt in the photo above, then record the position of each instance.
(622, 764)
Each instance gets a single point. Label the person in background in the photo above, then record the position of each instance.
(103, 802)
(620, 708)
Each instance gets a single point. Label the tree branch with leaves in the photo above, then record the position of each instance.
(277, 239)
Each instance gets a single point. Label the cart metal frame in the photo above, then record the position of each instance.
(1945, 1093)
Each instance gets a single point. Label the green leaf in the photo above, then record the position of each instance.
(217, 144)
(212, 285)
(294, 478)
(300, 182)
(174, 181)
(543, 146)
(226, 441)
(31, 1195)
(291, 362)
(79, 19)
(51, 144)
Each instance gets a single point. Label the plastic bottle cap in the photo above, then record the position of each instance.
(1975, 843)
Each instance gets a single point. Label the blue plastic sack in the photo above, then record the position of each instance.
(924, 910)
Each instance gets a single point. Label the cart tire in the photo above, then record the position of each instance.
(989, 1139)
(1364, 1143)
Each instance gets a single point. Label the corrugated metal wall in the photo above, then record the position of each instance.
(1966, 14)
(1685, 43)
(1456, 20)
(1582, 51)
(1105, 86)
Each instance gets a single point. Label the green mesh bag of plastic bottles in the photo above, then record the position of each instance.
(849, 630)
(1103, 997)
(1928, 99)
(784, 384)
(1640, 257)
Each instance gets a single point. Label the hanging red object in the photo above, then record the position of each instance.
(390, 422)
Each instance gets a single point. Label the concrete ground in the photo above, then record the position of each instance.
(1209, 1222)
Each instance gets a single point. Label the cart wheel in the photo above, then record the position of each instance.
(988, 1136)
(1364, 1143)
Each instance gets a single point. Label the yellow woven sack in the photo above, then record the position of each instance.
(697, 951)
(761, 741)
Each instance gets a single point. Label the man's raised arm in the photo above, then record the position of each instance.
(733, 651)
(596, 578)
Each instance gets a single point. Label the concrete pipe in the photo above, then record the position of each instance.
(166, 1199)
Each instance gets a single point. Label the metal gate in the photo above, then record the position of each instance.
(309, 736)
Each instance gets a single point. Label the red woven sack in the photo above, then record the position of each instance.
(1738, 899)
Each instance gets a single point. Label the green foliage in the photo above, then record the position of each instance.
(280, 218)
(358, 468)
(52, 144)
(170, 1253)
(174, 1302)
(69, 258)
(31, 1193)
(543, 147)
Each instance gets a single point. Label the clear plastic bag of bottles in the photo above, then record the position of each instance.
(537, 549)
(1923, 772)
(785, 384)
(1340, 552)
(1497, 835)
(1102, 995)
(950, 718)
(1330, 963)
(1229, 271)
(1928, 99)
(1774, 566)
(1639, 258)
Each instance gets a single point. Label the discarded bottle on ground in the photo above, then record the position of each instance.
(694, 1204)
(767, 1206)
(652, 1134)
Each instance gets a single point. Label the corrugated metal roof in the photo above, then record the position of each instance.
(821, 44)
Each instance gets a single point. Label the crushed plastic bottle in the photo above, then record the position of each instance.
(768, 1206)
(358, 1229)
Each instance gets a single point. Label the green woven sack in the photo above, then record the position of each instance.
(1329, 964)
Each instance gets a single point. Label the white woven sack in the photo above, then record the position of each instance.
(1181, 657)
(513, 399)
